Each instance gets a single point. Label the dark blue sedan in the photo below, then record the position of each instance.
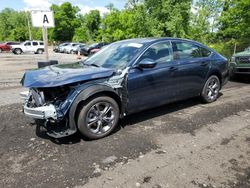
(123, 78)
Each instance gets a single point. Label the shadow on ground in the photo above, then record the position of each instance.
(129, 120)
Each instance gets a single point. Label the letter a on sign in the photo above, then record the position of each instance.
(42, 18)
(45, 19)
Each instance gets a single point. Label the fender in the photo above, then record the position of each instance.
(86, 92)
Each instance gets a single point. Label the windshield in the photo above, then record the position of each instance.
(116, 55)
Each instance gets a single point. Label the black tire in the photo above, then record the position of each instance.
(18, 51)
(39, 51)
(89, 111)
(210, 91)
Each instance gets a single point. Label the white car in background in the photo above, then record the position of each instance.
(66, 48)
(33, 46)
(74, 48)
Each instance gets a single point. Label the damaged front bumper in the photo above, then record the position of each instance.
(54, 122)
(43, 112)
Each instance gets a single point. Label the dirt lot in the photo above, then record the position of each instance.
(185, 144)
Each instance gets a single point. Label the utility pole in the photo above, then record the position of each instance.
(28, 20)
(45, 41)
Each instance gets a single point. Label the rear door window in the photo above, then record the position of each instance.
(35, 43)
(205, 52)
(41, 43)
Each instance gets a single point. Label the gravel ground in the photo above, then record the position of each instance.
(185, 144)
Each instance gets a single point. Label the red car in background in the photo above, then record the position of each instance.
(6, 46)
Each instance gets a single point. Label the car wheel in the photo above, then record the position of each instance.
(18, 51)
(99, 117)
(211, 89)
(72, 52)
(39, 51)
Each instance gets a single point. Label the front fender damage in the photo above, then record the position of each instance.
(59, 116)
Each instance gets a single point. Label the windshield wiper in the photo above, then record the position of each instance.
(92, 64)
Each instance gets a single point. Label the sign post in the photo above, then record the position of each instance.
(43, 19)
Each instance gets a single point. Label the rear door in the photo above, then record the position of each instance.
(193, 66)
(35, 46)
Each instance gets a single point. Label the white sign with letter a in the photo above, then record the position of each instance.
(42, 18)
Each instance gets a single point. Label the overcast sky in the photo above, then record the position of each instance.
(84, 5)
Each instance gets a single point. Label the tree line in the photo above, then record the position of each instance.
(221, 24)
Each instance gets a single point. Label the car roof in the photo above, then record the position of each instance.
(157, 39)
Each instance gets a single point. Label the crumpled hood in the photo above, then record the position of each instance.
(59, 75)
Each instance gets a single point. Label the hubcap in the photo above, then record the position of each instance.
(212, 89)
(100, 118)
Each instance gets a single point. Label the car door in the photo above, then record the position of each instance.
(34, 46)
(193, 65)
(27, 47)
(151, 87)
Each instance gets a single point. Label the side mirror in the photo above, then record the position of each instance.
(147, 63)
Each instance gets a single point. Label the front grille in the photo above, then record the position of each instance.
(243, 59)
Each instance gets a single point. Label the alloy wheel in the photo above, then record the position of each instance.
(100, 118)
(212, 89)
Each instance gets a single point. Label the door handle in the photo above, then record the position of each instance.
(173, 69)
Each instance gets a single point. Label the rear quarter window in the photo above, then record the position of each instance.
(205, 52)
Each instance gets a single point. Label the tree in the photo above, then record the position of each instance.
(14, 25)
(93, 21)
(169, 17)
(66, 21)
(204, 20)
(235, 19)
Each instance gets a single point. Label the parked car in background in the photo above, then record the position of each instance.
(6, 46)
(69, 49)
(28, 46)
(240, 63)
(56, 48)
(63, 48)
(86, 50)
(127, 77)
(60, 47)
(93, 51)
(79, 48)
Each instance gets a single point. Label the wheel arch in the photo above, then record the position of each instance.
(216, 73)
(87, 94)
(16, 49)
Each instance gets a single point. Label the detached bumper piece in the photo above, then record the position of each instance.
(58, 129)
